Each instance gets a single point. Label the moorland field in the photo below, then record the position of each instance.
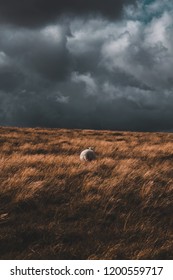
(53, 206)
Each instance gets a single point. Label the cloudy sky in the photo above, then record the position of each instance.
(98, 64)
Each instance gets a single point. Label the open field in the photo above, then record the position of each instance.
(52, 206)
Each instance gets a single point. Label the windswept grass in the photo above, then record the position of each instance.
(52, 206)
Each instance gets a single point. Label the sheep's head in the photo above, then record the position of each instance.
(91, 148)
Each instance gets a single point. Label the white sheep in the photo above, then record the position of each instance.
(88, 155)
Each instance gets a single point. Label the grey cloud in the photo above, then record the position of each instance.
(40, 12)
(94, 73)
(10, 75)
(36, 53)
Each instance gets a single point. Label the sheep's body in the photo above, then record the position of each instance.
(87, 155)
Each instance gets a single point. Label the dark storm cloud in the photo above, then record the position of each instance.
(41, 51)
(86, 72)
(40, 12)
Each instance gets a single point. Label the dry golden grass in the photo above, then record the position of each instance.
(52, 206)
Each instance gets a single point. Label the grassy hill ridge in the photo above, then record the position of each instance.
(53, 206)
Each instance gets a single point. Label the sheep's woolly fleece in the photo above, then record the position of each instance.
(88, 155)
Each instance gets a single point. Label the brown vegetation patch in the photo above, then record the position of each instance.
(52, 206)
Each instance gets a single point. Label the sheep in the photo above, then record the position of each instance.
(88, 154)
